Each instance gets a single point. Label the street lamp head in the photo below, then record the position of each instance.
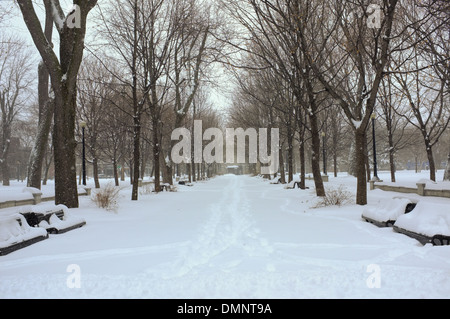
(373, 116)
(323, 134)
(83, 124)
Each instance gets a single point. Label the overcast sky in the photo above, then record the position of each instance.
(15, 25)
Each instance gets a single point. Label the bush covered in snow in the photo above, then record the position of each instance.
(335, 197)
(107, 197)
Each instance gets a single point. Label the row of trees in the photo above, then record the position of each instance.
(143, 75)
(306, 67)
(307, 62)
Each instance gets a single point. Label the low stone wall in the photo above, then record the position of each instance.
(420, 190)
(37, 198)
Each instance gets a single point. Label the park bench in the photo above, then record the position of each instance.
(294, 184)
(385, 214)
(276, 180)
(428, 223)
(16, 233)
(185, 183)
(168, 188)
(54, 219)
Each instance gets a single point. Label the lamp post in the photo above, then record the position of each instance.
(324, 154)
(83, 127)
(375, 168)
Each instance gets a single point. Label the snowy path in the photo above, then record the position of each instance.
(227, 235)
(231, 237)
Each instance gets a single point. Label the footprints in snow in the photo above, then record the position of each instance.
(228, 238)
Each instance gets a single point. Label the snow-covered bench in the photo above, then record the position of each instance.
(168, 188)
(428, 223)
(15, 233)
(386, 213)
(55, 219)
(185, 183)
(275, 180)
(292, 185)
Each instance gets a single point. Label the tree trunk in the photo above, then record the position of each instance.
(302, 166)
(189, 172)
(64, 144)
(156, 153)
(391, 158)
(39, 149)
(366, 157)
(95, 171)
(360, 142)
(431, 162)
(335, 164)
(144, 160)
(290, 156)
(165, 170)
(122, 171)
(45, 117)
(136, 157)
(116, 172)
(46, 108)
(5, 171)
(282, 172)
(315, 159)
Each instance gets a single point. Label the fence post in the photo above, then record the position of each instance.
(421, 189)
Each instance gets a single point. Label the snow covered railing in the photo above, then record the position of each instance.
(423, 188)
(16, 233)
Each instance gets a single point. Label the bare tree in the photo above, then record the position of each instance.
(15, 81)
(348, 57)
(45, 114)
(190, 48)
(395, 136)
(421, 72)
(63, 71)
(95, 93)
(272, 28)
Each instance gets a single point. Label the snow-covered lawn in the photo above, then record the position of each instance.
(229, 237)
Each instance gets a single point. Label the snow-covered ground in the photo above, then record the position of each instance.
(230, 237)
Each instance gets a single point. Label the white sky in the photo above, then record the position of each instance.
(16, 25)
